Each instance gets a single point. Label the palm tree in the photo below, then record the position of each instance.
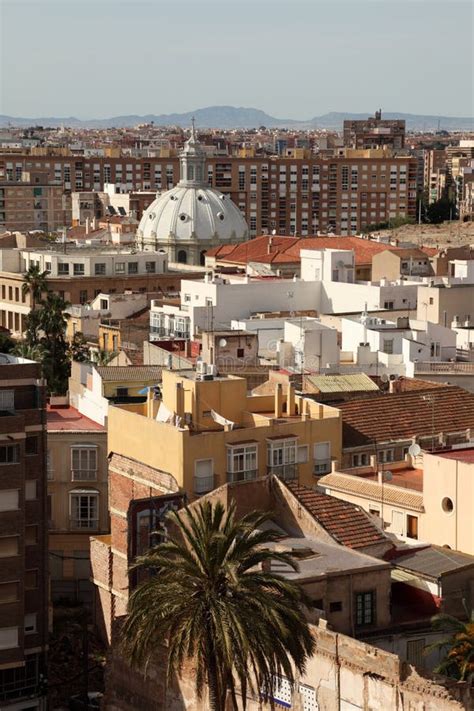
(458, 661)
(31, 352)
(102, 357)
(212, 598)
(34, 283)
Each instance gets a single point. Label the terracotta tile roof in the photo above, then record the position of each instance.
(117, 373)
(347, 523)
(283, 249)
(358, 486)
(405, 253)
(404, 415)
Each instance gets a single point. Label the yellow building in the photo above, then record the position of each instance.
(210, 431)
(77, 498)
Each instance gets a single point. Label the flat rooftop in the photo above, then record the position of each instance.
(320, 559)
(68, 419)
(407, 478)
(460, 455)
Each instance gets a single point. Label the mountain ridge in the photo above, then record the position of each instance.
(228, 117)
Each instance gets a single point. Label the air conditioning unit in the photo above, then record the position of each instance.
(212, 370)
(201, 368)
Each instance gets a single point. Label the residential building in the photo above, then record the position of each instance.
(92, 387)
(296, 194)
(386, 426)
(428, 500)
(224, 433)
(79, 275)
(229, 348)
(374, 132)
(445, 303)
(24, 608)
(86, 318)
(35, 202)
(77, 499)
(395, 264)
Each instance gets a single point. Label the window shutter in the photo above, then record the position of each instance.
(203, 468)
(322, 451)
(76, 459)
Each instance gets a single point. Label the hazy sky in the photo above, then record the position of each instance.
(291, 58)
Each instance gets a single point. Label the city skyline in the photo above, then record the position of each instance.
(309, 58)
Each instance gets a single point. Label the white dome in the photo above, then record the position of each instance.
(192, 217)
(192, 214)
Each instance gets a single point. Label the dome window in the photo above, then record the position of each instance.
(183, 217)
(151, 215)
(222, 197)
(220, 215)
(200, 198)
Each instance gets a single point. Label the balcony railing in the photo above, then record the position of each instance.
(203, 484)
(322, 467)
(86, 524)
(285, 471)
(247, 475)
(84, 475)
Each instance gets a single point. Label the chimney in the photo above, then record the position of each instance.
(290, 400)
(270, 245)
(279, 400)
(179, 400)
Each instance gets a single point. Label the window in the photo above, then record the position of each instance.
(31, 535)
(31, 579)
(31, 444)
(365, 608)
(9, 592)
(150, 267)
(303, 453)
(387, 345)
(388, 304)
(360, 460)
(133, 267)
(8, 546)
(242, 462)
(31, 490)
(78, 269)
(203, 475)
(9, 499)
(335, 607)
(84, 462)
(9, 454)
(84, 509)
(397, 522)
(322, 458)
(412, 526)
(99, 269)
(83, 296)
(82, 565)
(63, 268)
(30, 623)
(8, 637)
(385, 456)
(122, 392)
(240, 352)
(447, 505)
(281, 458)
(7, 399)
(415, 652)
(120, 268)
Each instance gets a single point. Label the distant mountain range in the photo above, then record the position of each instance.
(227, 117)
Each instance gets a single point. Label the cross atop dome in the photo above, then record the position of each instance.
(192, 161)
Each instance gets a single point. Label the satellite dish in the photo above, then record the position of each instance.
(384, 378)
(387, 476)
(222, 342)
(414, 449)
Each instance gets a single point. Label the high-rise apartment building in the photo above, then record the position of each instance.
(34, 202)
(304, 194)
(374, 132)
(23, 535)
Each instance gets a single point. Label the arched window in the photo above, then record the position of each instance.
(198, 172)
(182, 256)
(190, 172)
(202, 258)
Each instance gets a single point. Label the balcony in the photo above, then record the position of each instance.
(203, 484)
(249, 475)
(84, 524)
(287, 472)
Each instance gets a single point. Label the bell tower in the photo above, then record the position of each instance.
(193, 162)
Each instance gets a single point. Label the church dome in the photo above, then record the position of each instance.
(191, 217)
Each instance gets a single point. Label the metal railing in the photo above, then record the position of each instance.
(285, 471)
(84, 475)
(203, 484)
(89, 524)
(247, 475)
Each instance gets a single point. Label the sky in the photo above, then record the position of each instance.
(292, 58)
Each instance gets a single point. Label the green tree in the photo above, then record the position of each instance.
(31, 352)
(52, 327)
(458, 648)
(78, 349)
(102, 357)
(212, 597)
(7, 344)
(440, 211)
(34, 283)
